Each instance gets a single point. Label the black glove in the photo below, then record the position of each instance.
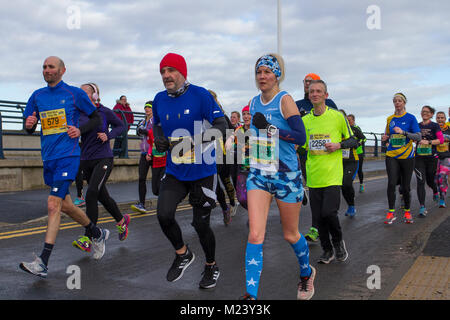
(259, 121)
(142, 131)
(161, 143)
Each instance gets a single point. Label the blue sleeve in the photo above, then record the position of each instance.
(156, 119)
(84, 103)
(31, 107)
(414, 125)
(211, 109)
(297, 133)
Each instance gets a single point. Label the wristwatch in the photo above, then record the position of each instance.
(272, 130)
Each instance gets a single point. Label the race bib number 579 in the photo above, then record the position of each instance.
(53, 121)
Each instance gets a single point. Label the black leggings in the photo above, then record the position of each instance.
(201, 197)
(399, 169)
(96, 173)
(350, 168)
(360, 170)
(144, 166)
(425, 169)
(325, 204)
(79, 182)
(224, 173)
(157, 175)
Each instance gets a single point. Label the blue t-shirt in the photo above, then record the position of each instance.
(189, 114)
(286, 157)
(58, 107)
(400, 146)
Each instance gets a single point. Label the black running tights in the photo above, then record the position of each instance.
(399, 169)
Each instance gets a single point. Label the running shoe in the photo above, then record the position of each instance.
(247, 296)
(139, 207)
(83, 243)
(351, 211)
(340, 251)
(37, 267)
(122, 228)
(306, 286)
(326, 257)
(390, 217)
(407, 216)
(227, 216)
(234, 209)
(361, 188)
(79, 201)
(312, 235)
(423, 212)
(98, 245)
(179, 265)
(442, 203)
(210, 276)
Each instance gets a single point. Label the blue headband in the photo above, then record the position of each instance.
(271, 63)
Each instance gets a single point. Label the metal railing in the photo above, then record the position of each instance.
(11, 117)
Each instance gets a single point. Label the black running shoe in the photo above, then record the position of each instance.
(341, 251)
(326, 257)
(180, 264)
(210, 276)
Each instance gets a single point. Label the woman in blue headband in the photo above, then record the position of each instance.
(275, 171)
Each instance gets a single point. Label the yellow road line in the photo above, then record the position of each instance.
(71, 225)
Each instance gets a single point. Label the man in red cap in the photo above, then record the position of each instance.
(186, 115)
(305, 106)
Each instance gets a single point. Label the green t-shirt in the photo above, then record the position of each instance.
(324, 168)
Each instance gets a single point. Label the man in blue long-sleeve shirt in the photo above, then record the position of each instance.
(58, 106)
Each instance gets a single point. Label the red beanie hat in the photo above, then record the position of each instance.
(313, 76)
(246, 108)
(175, 61)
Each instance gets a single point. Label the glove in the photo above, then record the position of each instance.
(161, 143)
(142, 131)
(259, 121)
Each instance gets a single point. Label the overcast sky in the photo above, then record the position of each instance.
(364, 57)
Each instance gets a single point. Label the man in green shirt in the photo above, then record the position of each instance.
(327, 133)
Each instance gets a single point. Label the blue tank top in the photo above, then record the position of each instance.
(283, 155)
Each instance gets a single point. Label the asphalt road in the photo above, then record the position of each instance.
(136, 268)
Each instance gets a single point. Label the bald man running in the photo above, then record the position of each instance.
(57, 106)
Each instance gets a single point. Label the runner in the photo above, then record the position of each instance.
(360, 151)
(224, 173)
(58, 107)
(142, 130)
(276, 128)
(401, 130)
(304, 106)
(97, 164)
(327, 134)
(239, 141)
(158, 162)
(443, 166)
(426, 157)
(182, 113)
(350, 160)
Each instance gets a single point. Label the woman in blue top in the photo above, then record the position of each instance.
(276, 129)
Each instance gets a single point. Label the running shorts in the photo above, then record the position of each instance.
(285, 186)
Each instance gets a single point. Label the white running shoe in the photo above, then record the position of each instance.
(98, 245)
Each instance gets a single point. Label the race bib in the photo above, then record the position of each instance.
(424, 150)
(53, 121)
(442, 147)
(263, 153)
(397, 140)
(346, 153)
(182, 152)
(156, 153)
(317, 144)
